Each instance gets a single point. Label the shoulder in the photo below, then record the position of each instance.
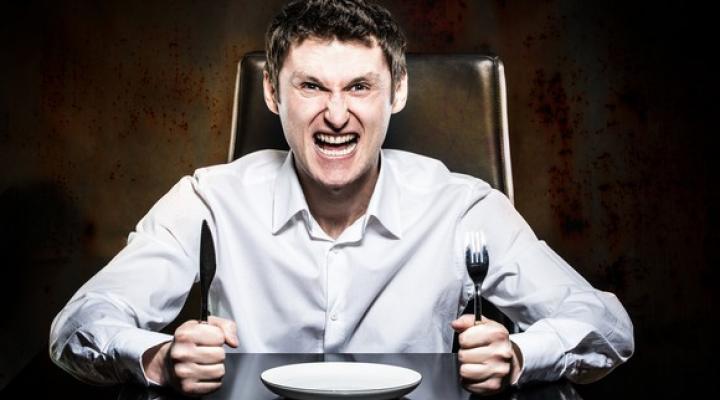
(252, 169)
(416, 172)
(231, 182)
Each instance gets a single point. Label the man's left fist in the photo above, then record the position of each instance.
(489, 361)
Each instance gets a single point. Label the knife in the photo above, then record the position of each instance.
(207, 268)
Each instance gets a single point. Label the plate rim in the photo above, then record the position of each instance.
(344, 392)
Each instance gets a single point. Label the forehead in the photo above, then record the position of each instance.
(334, 59)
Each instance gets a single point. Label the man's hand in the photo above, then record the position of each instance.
(193, 363)
(489, 361)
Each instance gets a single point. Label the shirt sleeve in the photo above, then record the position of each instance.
(567, 327)
(101, 334)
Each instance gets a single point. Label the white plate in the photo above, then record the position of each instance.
(340, 380)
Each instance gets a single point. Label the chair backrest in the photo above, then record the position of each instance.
(456, 112)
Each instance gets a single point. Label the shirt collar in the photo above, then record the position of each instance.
(384, 203)
(289, 199)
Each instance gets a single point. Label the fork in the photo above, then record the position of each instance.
(476, 261)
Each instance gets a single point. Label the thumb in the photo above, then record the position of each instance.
(229, 329)
(464, 322)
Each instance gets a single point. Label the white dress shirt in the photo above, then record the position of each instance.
(392, 282)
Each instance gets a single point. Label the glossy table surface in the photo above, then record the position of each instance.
(440, 380)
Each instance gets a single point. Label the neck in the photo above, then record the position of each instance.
(335, 209)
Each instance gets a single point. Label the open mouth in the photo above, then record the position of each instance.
(336, 145)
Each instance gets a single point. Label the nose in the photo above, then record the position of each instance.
(336, 114)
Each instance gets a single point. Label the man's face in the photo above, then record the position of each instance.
(334, 108)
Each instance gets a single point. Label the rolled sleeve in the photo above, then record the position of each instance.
(542, 354)
(130, 345)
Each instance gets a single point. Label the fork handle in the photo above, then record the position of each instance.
(478, 305)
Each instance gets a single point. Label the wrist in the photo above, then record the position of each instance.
(517, 364)
(154, 362)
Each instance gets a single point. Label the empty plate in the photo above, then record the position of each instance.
(340, 380)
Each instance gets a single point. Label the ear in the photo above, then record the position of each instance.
(401, 92)
(269, 93)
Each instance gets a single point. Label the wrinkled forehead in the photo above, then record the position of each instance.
(335, 59)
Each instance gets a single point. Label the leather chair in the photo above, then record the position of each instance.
(456, 112)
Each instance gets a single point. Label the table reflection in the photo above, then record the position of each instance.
(440, 379)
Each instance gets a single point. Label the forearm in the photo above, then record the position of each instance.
(581, 345)
(94, 341)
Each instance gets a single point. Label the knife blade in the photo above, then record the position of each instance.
(207, 268)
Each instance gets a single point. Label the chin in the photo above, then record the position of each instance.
(333, 178)
(335, 184)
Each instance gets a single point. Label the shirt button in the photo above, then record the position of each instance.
(333, 317)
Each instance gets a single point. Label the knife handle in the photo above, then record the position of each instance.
(207, 269)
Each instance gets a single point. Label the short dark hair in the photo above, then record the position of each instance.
(344, 20)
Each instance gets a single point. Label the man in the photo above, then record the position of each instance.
(336, 246)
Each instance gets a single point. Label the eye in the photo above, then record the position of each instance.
(357, 87)
(310, 86)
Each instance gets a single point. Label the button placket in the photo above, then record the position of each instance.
(334, 331)
(331, 256)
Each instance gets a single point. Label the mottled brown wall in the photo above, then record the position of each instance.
(104, 105)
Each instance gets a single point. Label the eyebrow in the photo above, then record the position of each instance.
(368, 77)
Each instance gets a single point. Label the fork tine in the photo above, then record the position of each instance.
(481, 248)
(472, 247)
(468, 250)
(476, 246)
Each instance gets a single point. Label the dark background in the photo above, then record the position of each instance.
(105, 105)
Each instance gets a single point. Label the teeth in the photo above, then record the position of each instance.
(335, 139)
(336, 153)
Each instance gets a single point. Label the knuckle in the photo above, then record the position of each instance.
(465, 371)
(181, 335)
(476, 387)
(493, 384)
(215, 355)
(499, 335)
(187, 325)
(462, 340)
(178, 352)
(217, 336)
(187, 386)
(182, 371)
(213, 387)
(462, 354)
(506, 355)
(504, 369)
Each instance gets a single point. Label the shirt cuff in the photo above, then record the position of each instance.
(543, 358)
(129, 346)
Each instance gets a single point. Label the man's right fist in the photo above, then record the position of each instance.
(193, 363)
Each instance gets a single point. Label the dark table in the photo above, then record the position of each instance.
(440, 379)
